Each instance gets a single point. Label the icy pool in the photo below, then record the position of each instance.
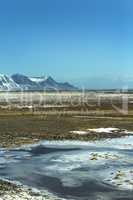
(72, 169)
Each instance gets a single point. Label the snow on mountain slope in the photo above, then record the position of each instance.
(6, 83)
(38, 79)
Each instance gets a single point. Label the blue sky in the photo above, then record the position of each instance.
(88, 42)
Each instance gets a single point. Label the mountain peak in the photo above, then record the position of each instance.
(50, 80)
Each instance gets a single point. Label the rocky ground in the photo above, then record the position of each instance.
(10, 191)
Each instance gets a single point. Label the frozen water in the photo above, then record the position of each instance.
(80, 170)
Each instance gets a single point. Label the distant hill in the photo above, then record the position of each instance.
(19, 82)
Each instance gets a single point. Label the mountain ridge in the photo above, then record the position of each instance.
(20, 82)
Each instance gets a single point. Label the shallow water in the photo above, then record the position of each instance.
(69, 170)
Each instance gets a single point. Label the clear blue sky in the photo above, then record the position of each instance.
(73, 40)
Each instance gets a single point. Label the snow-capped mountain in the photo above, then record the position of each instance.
(18, 82)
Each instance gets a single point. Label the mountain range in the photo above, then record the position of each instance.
(19, 82)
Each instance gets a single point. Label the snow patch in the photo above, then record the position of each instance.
(79, 132)
(104, 130)
(101, 130)
(38, 79)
